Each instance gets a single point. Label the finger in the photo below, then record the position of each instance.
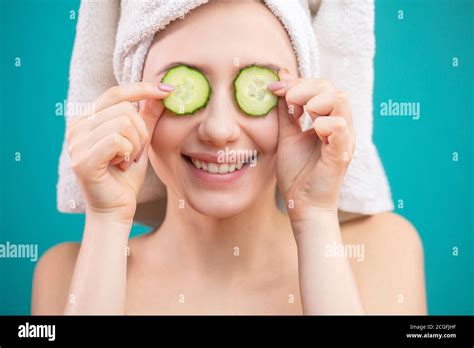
(106, 149)
(132, 92)
(92, 122)
(122, 108)
(286, 126)
(279, 88)
(286, 81)
(117, 160)
(150, 112)
(308, 85)
(298, 92)
(332, 103)
(301, 92)
(123, 126)
(334, 132)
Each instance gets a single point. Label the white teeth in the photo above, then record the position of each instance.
(212, 168)
(197, 163)
(223, 168)
(215, 168)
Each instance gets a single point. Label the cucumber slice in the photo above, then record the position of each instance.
(251, 93)
(191, 90)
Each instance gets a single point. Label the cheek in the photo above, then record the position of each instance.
(264, 133)
(166, 141)
(165, 135)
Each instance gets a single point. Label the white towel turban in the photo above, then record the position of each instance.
(333, 39)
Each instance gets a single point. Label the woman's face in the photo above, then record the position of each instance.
(219, 39)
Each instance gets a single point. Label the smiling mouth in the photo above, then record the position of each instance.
(217, 168)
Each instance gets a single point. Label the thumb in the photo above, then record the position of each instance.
(287, 114)
(288, 119)
(151, 111)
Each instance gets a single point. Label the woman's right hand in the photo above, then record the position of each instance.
(109, 148)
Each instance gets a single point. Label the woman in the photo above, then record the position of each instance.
(224, 246)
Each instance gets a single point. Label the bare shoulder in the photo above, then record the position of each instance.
(52, 277)
(389, 267)
(381, 229)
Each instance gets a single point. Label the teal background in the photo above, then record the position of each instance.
(413, 64)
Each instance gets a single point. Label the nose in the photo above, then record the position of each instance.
(220, 123)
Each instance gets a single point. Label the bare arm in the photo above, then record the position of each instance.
(99, 281)
(327, 283)
(87, 278)
(310, 168)
(385, 278)
(109, 156)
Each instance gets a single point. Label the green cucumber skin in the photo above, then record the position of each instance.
(210, 90)
(235, 89)
(198, 108)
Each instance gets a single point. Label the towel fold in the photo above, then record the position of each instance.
(332, 39)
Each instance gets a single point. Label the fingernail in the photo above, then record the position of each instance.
(138, 156)
(283, 71)
(165, 87)
(275, 86)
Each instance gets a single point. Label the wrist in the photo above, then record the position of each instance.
(315, 222)
(108, 223)
(310, 214)
(112, 217)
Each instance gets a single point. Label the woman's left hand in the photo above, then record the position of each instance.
(311, 165)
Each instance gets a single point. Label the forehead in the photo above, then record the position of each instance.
(226, 31)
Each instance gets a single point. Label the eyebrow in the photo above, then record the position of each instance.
(270, 66)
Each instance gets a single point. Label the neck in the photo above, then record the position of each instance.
(223, 246)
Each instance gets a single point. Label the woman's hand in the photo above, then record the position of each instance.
(310, 165)
(109, 148)
(310, 168)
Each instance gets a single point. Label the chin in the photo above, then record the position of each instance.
(220, 205)
(212, 194)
